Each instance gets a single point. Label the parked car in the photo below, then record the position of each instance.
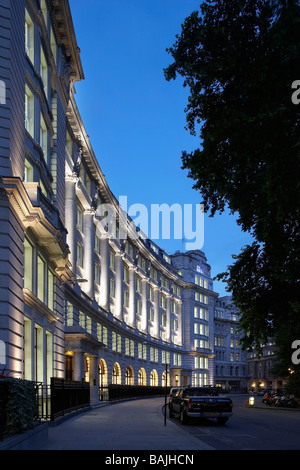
(199, 402)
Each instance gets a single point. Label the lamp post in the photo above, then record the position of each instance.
(167, 371)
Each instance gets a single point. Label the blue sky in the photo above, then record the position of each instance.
(135, 118)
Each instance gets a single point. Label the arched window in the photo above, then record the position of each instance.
(116, 374)
(129, 376)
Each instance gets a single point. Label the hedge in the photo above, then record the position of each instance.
(19, 404)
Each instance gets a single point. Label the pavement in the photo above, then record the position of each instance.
(128, 425)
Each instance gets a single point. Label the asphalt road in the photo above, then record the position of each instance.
(139, 425)
(260, 428)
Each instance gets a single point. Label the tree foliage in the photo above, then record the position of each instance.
(239, 60)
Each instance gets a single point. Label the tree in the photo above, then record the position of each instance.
(240, 60)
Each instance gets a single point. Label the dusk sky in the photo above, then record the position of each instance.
(135, 118)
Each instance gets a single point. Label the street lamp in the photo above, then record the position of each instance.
(72, 281)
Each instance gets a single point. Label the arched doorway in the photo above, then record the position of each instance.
(102, 368)
(116, 374)
(165, 379)
(142, 377)
(153, 378)
(129, 376)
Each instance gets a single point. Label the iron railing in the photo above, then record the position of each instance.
(112, 392)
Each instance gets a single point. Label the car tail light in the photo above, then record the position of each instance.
(190, 404)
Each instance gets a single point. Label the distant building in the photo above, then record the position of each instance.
(261, 370)
(231, 368)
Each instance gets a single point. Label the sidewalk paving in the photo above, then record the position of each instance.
(131, 425)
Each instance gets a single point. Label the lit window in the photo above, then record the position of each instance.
(28, 265)
(29, 36)
(50, 290)
(44, 71)
(29, 111)
(28, 172)
(44, 138)
(41, 279)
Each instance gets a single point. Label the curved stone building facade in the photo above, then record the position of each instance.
(84, 294)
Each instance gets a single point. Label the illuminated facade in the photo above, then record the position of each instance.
(231, 367)
(78, 298)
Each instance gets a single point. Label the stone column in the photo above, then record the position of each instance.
(94, 381)
(156, 312)
(180, 322)
(104, 276)
(119, 295)
(168, 317)
(89, 246)
(70, 219)
(144, 304)
(79, 368)
(132, 297)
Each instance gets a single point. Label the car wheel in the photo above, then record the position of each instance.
(183, 417)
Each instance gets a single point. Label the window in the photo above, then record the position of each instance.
(41, 279)
(79, 218)
(165, 357)
(200, 281)
(44, 138)
(97, 244)
(200, 312)
(112, 260)
(163, 320)
(102, 334)
(151, 314)
(129, 347)
(153, 354)
(79, 254)
(29, 36)
(200, 380)
(28, 265)
(97, 273)
(138, 284)
(89, 324)
(201, 298)
(69, 314)
(44, 71)
(82, 320)
(176, 359)
(151, 293)
(126, 298)
(162, 301)
(116, 342)
(29, 111)
(126, 274)
(200, 329)
(53, 44)
(28, 172)
(201, 362)
(112, 287)
(50, 290)
(139, 307)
